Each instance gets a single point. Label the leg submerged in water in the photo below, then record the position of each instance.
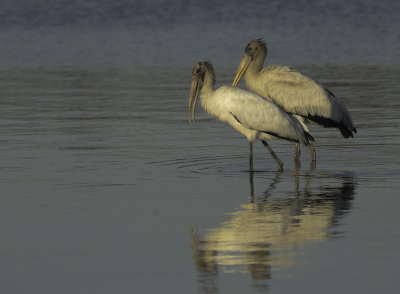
(297, 151)
(312, 151)
(297, 156)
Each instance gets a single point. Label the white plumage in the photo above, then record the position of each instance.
(252, 115)
(293, 92)
(247, 112)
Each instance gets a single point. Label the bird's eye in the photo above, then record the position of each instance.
(248, 50)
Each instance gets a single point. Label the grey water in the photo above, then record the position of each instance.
(107, 188)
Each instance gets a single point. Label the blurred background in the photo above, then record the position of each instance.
(106, 187)
(161, 33)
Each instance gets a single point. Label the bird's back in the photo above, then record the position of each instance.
(297, 94)
(291, 90)
(256, 113)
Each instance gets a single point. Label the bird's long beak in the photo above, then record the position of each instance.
(243, 66)
(195, 89)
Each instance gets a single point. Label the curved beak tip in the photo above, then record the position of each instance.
(194, 95)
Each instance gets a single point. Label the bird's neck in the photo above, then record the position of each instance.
(256, 65)
(254, 79)
(208, 86)
(207, 93)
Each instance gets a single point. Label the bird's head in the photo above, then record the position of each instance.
(255, 51)
(199, 73)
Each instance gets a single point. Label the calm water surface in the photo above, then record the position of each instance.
(106, 187)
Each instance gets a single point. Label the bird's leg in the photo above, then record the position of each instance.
(278, 161)
(297, 156)
(251, 187)
(313, 165)
(297, 152)
(312, 151)
(251, 157)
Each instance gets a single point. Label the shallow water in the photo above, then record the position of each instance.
(106, 187)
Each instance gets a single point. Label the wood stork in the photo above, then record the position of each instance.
(247, 112)
(293, 92)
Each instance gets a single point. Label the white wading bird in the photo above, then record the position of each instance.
(250, 114)
(293, 92)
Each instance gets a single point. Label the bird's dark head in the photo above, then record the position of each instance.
(201, 71)
(254, 55)
(255, 48)
(201, 68)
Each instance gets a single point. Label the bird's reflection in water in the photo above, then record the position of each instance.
(272, 230)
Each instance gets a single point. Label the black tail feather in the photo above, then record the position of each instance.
(346, 133)
(330, 123)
